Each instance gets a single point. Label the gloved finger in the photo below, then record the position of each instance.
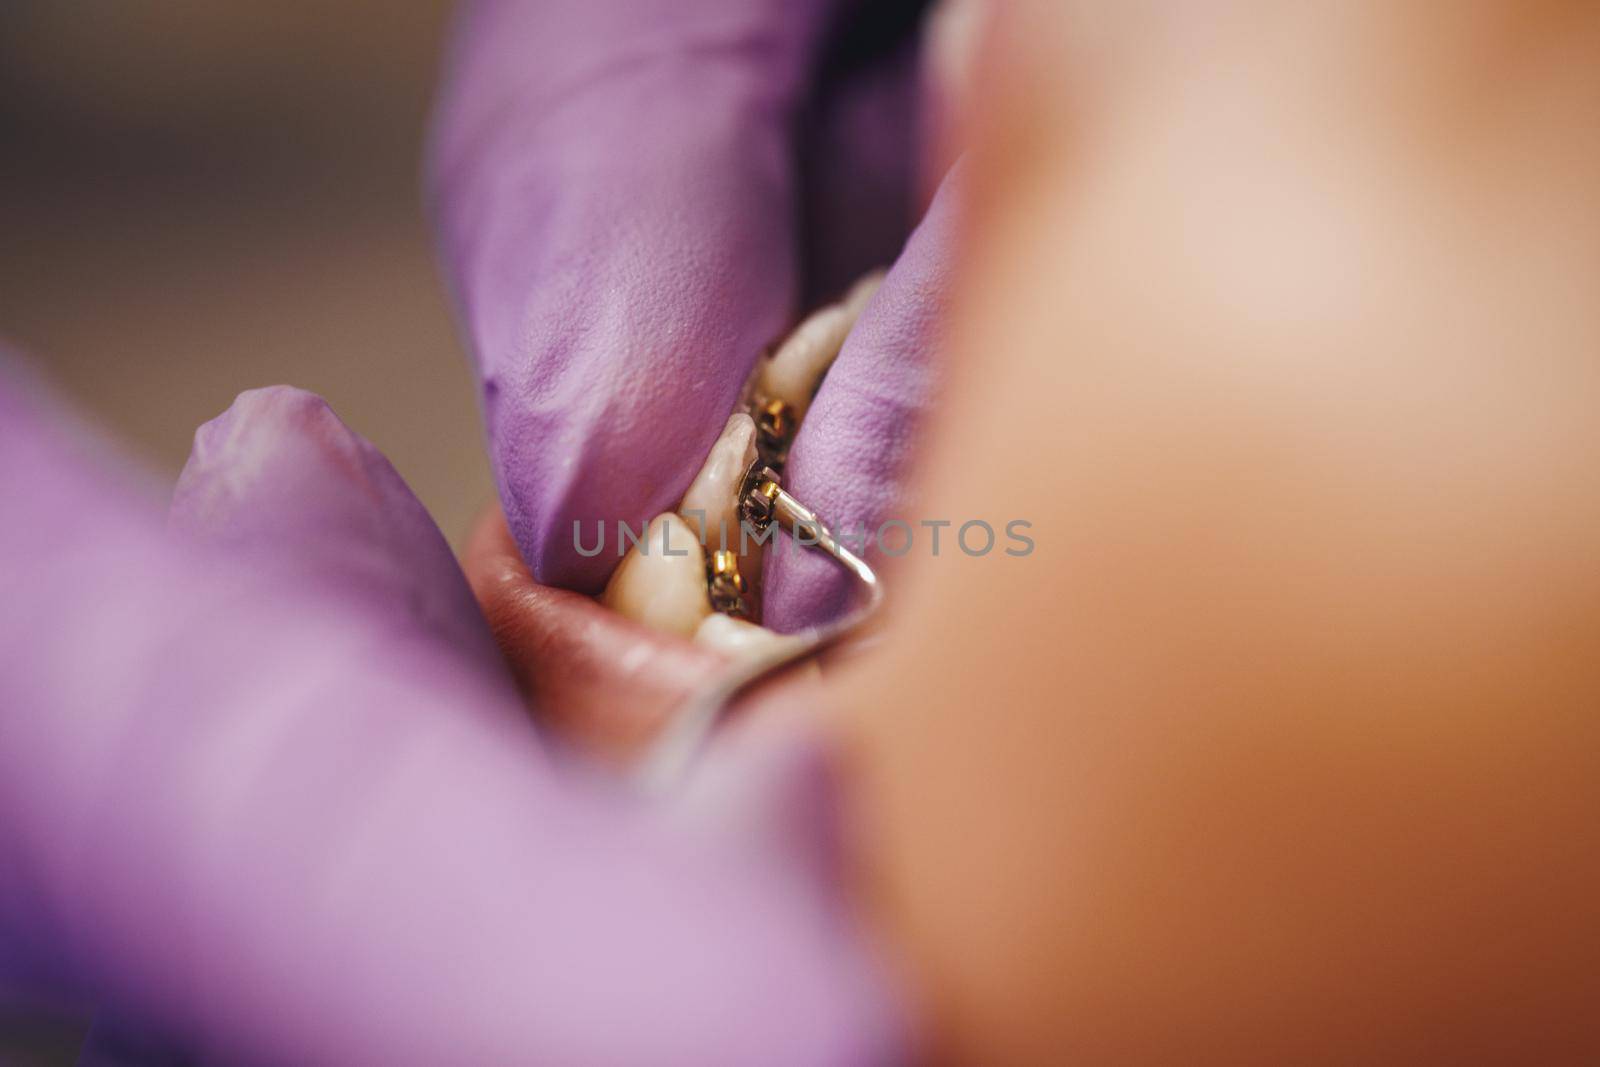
(263, 826)
(281, 484)
(615, 187)
(854, 451)
(117, 642)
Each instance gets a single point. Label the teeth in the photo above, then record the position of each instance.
(862, 292)
(737, 639)
(670, 592)
(796, 368)
(710, 507)
(724, 633)
(665, 592)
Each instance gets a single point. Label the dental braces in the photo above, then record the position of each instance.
(775, 429)
(740, 486)
(776, 425)
(763, 501)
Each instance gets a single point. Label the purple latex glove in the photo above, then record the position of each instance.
(266, 793)
(618, 187)
(855, 448)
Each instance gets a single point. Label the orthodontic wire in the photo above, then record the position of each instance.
(690, 727)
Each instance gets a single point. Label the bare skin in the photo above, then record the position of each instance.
(1281, 745)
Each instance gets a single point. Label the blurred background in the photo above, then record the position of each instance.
(199, 198)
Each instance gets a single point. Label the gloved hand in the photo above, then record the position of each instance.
(295, 812)
(635, 199)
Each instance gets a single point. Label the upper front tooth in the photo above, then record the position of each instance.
(711, 506)
(662, 580)
(795, 369)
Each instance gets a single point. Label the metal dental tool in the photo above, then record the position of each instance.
(762, 502)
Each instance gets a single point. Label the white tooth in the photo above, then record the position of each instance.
(794, 370)
(666, 592)
(733, 636)
(737, 639)
(710, 507)
(861, 294)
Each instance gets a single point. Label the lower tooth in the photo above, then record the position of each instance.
(733, 636)
(661, 582)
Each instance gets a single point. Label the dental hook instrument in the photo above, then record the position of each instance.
(763, 501)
